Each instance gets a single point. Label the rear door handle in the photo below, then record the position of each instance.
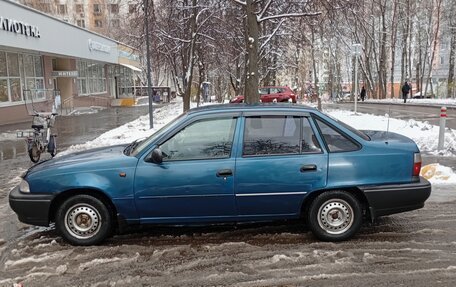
(224, 173)
(308, 167)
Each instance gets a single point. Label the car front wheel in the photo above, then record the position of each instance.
(334, 216)
(84, 220)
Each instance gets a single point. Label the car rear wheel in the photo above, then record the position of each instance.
(84, 220)
(334, 216)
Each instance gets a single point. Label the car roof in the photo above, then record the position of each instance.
(252, 107)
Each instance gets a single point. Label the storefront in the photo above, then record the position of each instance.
(41, 56)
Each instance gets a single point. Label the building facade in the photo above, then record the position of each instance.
(41, 56)
(101, 16)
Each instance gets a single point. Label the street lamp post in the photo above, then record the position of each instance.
(356, 51)
(149, 73)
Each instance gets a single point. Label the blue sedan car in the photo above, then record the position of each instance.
(229, 163)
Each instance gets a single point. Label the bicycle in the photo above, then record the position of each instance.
(42, 139)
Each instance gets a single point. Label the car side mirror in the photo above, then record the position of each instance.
(157, 156)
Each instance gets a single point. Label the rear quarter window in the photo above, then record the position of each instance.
(335, 140)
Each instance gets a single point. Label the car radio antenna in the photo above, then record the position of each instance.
(388, 124)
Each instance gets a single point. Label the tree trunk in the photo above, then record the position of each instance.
(190, 58)
(451, 81)
(434, 47)
(251, 78)
(393, 47)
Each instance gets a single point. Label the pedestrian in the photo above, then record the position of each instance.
(363, 93)
(405, 91)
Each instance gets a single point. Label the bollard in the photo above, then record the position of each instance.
(443, 116)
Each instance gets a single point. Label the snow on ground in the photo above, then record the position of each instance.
(443, 102)
(423, 133)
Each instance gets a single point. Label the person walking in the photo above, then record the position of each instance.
(363, 93)
(405, 91)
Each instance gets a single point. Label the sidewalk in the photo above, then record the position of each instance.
(71, 129)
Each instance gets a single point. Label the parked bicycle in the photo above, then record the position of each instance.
(42, 139)
(42, 105)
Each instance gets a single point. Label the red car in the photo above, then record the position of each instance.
(272, 94)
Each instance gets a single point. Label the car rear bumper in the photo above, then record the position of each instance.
(30, 208)
(390, 199)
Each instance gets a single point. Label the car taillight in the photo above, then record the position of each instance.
(416, 164)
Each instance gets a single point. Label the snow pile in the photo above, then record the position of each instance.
(438, 174)
(424, 134)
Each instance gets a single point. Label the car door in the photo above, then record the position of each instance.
(281, 161)
(195, 179)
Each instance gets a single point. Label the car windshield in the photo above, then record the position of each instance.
(350, 128)
(145, 143)
(263, 91)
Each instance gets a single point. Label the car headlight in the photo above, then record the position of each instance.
(24, 187)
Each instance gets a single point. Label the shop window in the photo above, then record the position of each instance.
(3, 71)
(91, 79)
(98, 23)
(3, 90)
(13, 65)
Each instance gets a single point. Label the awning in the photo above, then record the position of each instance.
(131, 67)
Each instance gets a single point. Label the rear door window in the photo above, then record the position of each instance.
(265, 135)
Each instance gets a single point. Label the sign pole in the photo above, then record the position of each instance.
(149, 73)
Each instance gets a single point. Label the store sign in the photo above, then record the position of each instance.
(19, 27)
(97, 46)
(128, 55)
(65, 74)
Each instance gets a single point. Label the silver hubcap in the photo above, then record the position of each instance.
(82, 221)
(335, 216)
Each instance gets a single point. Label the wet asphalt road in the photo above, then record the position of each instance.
(417, 248)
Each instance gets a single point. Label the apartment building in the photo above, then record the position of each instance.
(101, 16)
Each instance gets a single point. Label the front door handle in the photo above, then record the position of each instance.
(224, 172)
(308, 167)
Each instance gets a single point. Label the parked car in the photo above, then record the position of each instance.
(272, 94)
(254, 163)
(419, 95)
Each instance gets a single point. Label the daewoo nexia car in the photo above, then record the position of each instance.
(271, 94)
(229, 163)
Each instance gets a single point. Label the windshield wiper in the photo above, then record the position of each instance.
(129, 148)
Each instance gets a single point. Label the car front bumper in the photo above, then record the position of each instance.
(390, 199)
(31, 208)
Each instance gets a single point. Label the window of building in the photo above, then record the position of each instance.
(131, 8)
(79, 8)
(97, 8)
(62, 9)
(81, 23)
(188, 144)
(98, 23)
(114, 8)
(115, 23)
(91, 78)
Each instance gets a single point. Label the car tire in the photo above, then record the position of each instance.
(84, 220)
(334, 215)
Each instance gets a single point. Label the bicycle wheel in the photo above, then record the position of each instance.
(34, 152)
(52, 146)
